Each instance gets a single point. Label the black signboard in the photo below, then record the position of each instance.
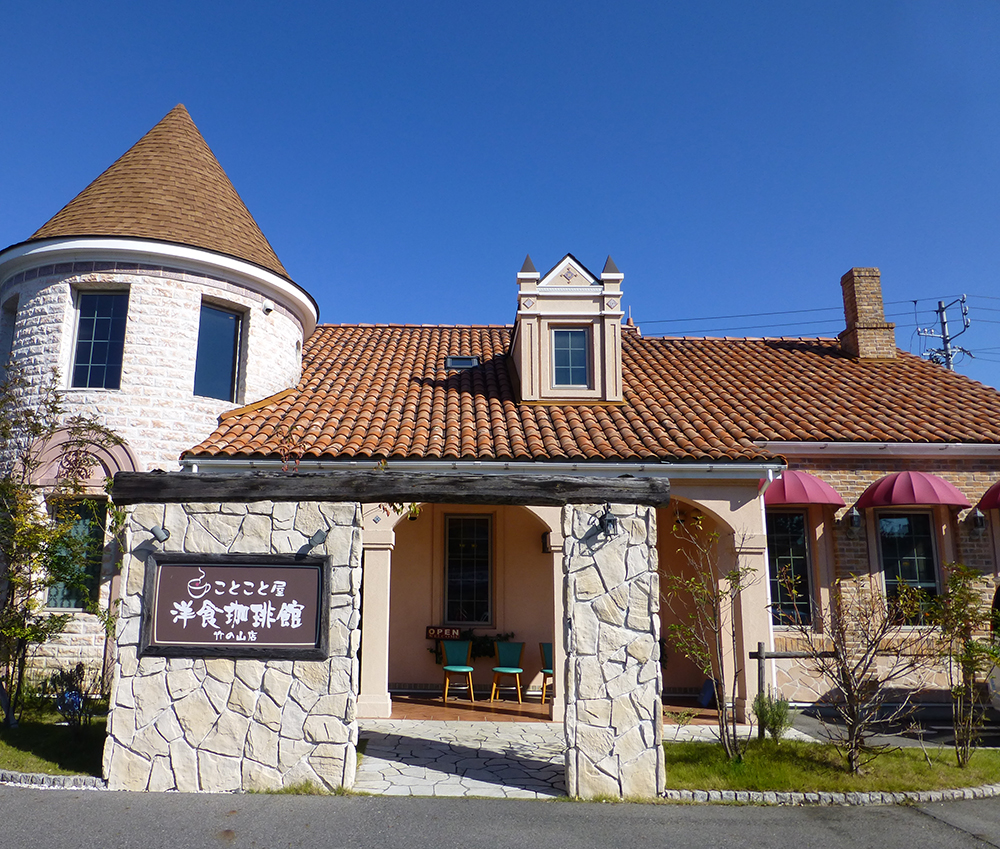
(236, 608)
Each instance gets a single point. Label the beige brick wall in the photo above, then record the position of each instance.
(155, 410)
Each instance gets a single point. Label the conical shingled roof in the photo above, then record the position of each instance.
(170, 187)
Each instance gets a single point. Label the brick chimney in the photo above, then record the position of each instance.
(868, 335)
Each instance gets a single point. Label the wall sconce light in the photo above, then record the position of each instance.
(160, 533)
(267, 305)
(318, 538)
(978, 521)
(608, 522)
(854, 520)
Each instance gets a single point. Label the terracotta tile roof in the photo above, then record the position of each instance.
(383, 391)
(168, 186)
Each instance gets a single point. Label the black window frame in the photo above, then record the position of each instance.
(451, 580)
(99, 348)
(789, 611)
(930, 582)
(208, 358)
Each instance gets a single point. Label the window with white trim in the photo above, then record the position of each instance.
(571, 357)
(468, 570)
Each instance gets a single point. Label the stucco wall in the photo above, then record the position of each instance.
(198, 723)
(522, 593)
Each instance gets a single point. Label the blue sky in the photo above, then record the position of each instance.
(734, 158)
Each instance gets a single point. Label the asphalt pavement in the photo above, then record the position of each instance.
(65, 819)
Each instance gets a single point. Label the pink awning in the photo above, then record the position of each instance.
(794, 487)
(903, 488)
(991, 500)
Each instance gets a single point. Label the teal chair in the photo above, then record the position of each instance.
(508, 663)
(546, 650)
(458, 661)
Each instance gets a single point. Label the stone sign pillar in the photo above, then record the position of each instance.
(614, 713)
(195, 719)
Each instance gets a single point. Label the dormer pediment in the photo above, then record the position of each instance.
(566, 346)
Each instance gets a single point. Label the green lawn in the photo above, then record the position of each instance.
(815, 767)
(41, 745)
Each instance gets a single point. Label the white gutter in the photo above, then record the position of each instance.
(940, 450)
(673, 471)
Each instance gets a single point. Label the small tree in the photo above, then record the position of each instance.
(705, 603)
(965, 624)
(867, 648)
(42, 543)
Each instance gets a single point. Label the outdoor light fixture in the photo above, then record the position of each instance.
(608, 522)
(317, 538)
(978, 521)
(854, 518)
(160, 534)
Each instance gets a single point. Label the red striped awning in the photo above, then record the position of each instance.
(795, 487)
(908, 488)
(991, 500)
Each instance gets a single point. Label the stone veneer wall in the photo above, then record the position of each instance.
(194, 724)
(614, 724)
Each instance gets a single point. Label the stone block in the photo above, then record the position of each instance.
(250, 672)
(262, 745)
(291, 753)
(610, 561)
(314, 674)
(293, 717)
(168, 726)
(184, 763)
(128, 770)
(341, 512)
(259, 777)
(218, 774)
(221, 669)
(592, 782)
(218, 692)
(254, 535)
(161, 776)
(196, 716)
(181, 682)
(228, 736)
(267, 713)
(330, 770)
(586, 584)
(242, 699)
(151, 699)
(276, 684)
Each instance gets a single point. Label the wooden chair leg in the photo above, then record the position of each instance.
(545, 683)
(517, 678)
(472, 695)
(446, 688)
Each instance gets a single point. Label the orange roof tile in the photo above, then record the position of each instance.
(170, 187)
(383, 391)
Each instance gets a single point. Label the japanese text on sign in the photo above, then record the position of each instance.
(267, 606)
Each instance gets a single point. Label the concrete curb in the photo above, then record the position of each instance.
(756, 797)
(52, 782)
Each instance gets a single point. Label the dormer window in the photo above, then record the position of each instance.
(570, 357)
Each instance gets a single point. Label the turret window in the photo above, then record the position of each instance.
(100, 340)
(218, 355)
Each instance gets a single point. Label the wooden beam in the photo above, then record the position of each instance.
(387, 487)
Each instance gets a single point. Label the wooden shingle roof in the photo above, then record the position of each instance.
(169, 187)
(370, 391)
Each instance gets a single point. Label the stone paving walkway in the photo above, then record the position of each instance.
(515, 760)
